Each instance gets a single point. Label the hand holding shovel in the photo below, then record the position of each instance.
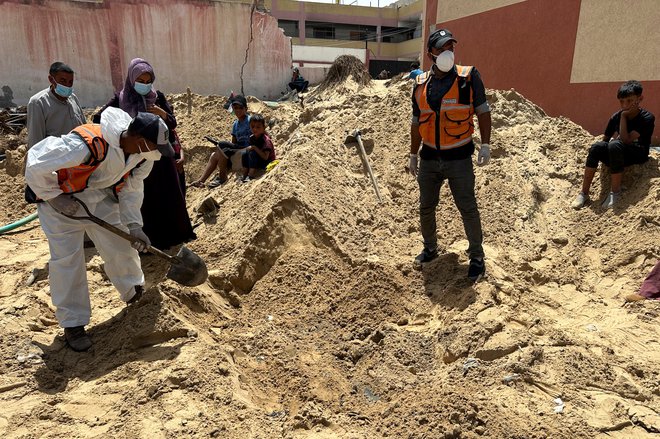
(186, 267)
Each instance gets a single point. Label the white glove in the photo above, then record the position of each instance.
(484, 154)
(137, 232)
(64, 204)
(412, 165)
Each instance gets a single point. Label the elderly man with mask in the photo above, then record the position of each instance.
(55, 110)
(104, 166)
(444, 101)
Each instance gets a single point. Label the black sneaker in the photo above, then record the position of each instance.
(426, 256)
(77, 338)
(476, 270)
(139, 290)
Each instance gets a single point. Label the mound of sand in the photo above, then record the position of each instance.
(313, 322)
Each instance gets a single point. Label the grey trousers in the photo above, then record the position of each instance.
(460, 175)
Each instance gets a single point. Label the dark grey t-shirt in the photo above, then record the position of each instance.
(437, 88)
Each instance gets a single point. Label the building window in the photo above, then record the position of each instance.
(397, 34)
(357, 35)
(325, 32)
(290, 27)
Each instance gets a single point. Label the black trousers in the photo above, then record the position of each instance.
(616, 154)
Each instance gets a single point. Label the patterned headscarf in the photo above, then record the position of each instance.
(131, 101)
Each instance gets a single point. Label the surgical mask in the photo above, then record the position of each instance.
(152, 156)
(445, 61)
(142, 89)
(63, 90)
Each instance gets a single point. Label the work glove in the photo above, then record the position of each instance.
(484, 154)
(412, 165)
(137, 232)
(64, 204)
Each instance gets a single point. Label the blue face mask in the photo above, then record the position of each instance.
(63, 90)
(142, 89)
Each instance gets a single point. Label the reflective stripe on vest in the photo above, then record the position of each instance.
(75, 179)
(456, 112)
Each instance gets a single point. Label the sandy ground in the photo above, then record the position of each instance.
(314, 324)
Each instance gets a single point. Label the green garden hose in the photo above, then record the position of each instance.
(19, 223)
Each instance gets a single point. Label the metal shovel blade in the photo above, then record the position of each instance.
(187, 268)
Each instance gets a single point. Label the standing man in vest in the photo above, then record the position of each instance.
(444, 101)
(93, 162)
(55, 110)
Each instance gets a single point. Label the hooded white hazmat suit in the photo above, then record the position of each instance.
(67, 270)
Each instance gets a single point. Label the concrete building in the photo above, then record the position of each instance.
(568, 56)
(388, 37)
(210, 46)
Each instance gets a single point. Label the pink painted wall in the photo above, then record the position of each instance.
(190, 43)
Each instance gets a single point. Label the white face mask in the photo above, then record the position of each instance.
(445, 61)
(151, 156)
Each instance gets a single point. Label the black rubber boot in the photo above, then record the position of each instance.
(476, 270)
(425, 256)
(139, 291)
(77, 338)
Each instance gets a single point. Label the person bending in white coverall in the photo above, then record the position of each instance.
(132, 146)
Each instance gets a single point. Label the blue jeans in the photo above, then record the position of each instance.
(460, 175)
(252, 160)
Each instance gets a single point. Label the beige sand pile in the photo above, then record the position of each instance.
(313, 323)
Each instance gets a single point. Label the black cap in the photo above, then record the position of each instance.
(154, 129)
(240, 100)
(439, 38)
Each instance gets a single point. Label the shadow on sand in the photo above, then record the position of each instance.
(446, 282)
(130, 336)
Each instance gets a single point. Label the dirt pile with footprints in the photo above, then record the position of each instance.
(314, 323)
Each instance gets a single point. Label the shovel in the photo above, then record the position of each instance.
(356, 137)
(186, 267)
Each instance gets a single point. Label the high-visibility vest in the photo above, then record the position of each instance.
(452, 125)
(75, 179)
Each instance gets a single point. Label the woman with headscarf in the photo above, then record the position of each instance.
(166, 220)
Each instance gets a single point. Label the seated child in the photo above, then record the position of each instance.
(240, 136)
(261, 150)
(297, 81)
(415, 71)
(626, 142)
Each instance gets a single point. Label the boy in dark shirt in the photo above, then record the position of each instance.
(626, 142)
(261, 150)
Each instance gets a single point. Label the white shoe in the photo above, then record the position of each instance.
(579, 201)
(612, 199)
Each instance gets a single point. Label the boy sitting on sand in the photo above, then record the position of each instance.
(261, 150)
(626, 142)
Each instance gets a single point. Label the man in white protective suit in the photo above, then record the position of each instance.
(102, 165)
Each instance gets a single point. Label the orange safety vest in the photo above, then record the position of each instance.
(73, 180)
(452, 126)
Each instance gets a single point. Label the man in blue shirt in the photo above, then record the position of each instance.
(414, 70)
